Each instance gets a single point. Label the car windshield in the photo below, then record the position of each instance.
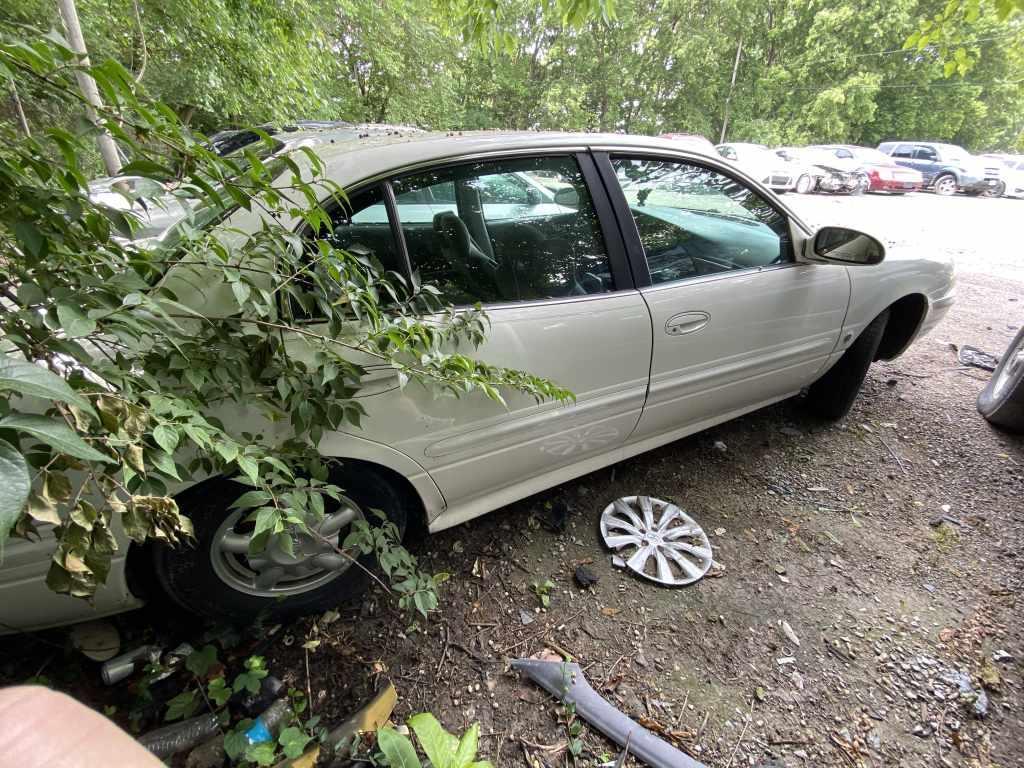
(952, 153)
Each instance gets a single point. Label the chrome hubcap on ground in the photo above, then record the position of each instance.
(1011, 370)
(275, 572)
(656, 539)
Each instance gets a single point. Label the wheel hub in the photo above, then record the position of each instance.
(292, 562)
(657, 540)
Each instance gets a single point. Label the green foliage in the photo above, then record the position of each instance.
(122, 356)
(542, 589)
(443, 749)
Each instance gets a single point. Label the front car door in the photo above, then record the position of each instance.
(737, 322)
(522, 237)
(926, 160)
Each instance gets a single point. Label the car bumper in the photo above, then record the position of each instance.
(973, 184)
(894, 185)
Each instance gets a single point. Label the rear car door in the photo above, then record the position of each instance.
(522, 237)
(737, 322)
(903, 154)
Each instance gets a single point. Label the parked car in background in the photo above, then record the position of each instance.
(1011, 173)
(668, 290)
(692, 141)
(884, 175)
(946, 168)
(761, 163)
(824, 172)
(807, 175)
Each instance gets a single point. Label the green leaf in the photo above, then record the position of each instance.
(398, 749)
(55, 434)
(15, 485)
(439, 745)
(218, 691)
(31, 240)
(199, 662)
(29, 379)
(75, 323)
(249, 467)
(181, 706)
(235, 742)
(293, 741)
(466, 752)
(166, 437)
(264, 753)
(251, 499)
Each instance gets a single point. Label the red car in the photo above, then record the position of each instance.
(885, 175)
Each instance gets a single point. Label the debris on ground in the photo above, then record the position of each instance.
(968, 355)
(585, 577)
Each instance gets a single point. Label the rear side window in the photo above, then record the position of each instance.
(504, 231)
(694, 221)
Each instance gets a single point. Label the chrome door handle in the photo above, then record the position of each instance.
(686, 322)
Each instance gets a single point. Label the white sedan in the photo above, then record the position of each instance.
(764, 165)
(669, 290)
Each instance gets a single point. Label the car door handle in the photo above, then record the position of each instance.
(686, 322)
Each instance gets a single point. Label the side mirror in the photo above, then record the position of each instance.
(847, 246)
(567, 197)
(533, 197)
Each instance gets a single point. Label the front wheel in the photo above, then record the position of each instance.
(945, 185)
(832, 396)
(1002, 400)
(217, 577)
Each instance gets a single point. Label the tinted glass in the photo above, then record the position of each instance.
(925, 153)
(504, 231)
(694, 221)
(903, 150)
(363, 228)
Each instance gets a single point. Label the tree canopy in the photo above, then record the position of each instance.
(807, 70)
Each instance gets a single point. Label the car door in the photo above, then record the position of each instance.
(926, 160)
(553, 278)
(737, 322)
(903, 154)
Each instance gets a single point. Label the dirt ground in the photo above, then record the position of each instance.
(826, 529)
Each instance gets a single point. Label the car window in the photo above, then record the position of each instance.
(925, 153)
(504, 231)
(845, 153)
(903, 150)
(694, 221)
(727, 152)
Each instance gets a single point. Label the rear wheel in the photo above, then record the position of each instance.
(998, 190)
(1002, 400)
(945, 185)
(217, 577)
(832, 396)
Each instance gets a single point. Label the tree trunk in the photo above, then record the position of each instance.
(22, 120)
(732, 85)
(108, 150)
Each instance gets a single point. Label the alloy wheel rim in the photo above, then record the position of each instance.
(656, 540)
(313, 560)
(945, 186)
(1011, 370)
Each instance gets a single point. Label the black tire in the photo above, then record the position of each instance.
(995, 191)
(832, 396)
(1002, 399)
(187, 576)
(945, 185)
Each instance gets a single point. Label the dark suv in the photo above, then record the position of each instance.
(946, 168)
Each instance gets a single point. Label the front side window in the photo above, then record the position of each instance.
(694, 221)
(903, 150)
(926, 153)
(504, 231)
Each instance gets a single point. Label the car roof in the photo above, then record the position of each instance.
(349, 161)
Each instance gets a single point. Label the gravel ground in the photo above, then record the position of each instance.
(842, 629)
